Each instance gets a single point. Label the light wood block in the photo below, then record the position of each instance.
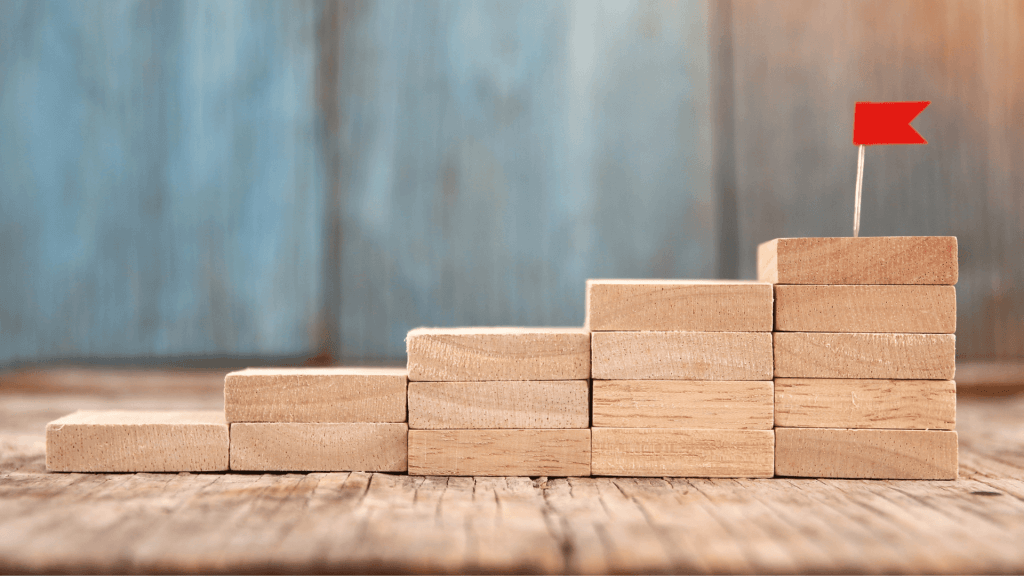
(499, 452)
(491, 354)
(879, 454)
(847, 403)
(682, 305)
(865, 260)
(137, 441)
(682, 355)
(741, 405)
(682, 452)
(316, 395)
(319, 447)
(906, 309)
(507, 404)
(898, 356)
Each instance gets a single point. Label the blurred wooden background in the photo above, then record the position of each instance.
(276, 181)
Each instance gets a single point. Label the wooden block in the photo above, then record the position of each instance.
(491, 354)
(683, 305)
(848, 403)
(137, 441)
(899, 356)
(682, 355)
(730, 404)
(507, 404)
(879, 454)
(682, 452)
(319, 447)
(865, 260)
(315, 395)
(499, 452)
(907, 309)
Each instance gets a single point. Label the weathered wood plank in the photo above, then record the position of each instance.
(859, 403)
(683, 305)
(483, 181)
(506, 404)
(735, 404)
(162, 188)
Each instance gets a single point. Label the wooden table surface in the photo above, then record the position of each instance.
(395, 523)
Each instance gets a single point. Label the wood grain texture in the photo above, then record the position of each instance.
(499, 452)
(899, 356)
(368, 523)
(682, 452)
(137, 441)
(745, 405)
(864, 260)
(853, 403)
(180, 215)
(881, 454)
(491, 154)
(684, 305)
(488, 354)
(316, 395)
(319, 447)
(682, 355)
(506, 404)
(906, 309)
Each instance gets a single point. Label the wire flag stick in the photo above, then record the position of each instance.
(860, 185)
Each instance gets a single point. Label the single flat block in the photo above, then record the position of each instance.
(878, 454)
(506, 404)
(906, 309)
(315, 395)
(499, 452)
(726, 404)
(849, 403)
(319, 446)
(865, 260)
(683, 452)
(137, 441)
(682, 355)
(491, 354)
(898, 356)
(683, 305)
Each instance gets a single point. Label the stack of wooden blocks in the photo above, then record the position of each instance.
(864, 356)
(837, 363)
(682, 378)
(499, 401)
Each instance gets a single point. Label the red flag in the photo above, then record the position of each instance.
(886, 123)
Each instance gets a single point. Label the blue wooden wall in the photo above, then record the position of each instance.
(497, 154)
(160, 188)
(278, 180)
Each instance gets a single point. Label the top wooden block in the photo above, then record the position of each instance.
(679, 305)
(867, 260)
(344, 394)
(485, 354)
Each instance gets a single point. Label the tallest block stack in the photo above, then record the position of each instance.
(864, 356)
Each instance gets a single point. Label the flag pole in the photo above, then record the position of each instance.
(860, 185)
